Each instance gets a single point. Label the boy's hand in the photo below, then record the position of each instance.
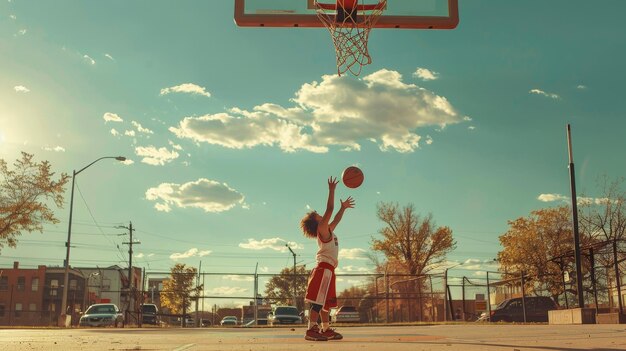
(349, 203)
(332, 183)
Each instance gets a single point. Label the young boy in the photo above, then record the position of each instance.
(321, 292)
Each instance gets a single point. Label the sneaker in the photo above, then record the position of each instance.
(314, 334)
(331, 334)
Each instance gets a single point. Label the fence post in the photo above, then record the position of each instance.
(387, 295)
(523, 297)
(488, 298)
(561, 264)
(463, 300)
(617, 280)
(592, 263)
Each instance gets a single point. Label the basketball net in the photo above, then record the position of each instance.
(349, 23)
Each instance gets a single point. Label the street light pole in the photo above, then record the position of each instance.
(294, 274)
(63, 315)
(578, 262)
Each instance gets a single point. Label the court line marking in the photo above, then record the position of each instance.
(184, 347)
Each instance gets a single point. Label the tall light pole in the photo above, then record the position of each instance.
(578, 262)
(63, 315)
(294, 275)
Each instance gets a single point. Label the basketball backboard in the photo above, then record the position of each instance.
(408, 14)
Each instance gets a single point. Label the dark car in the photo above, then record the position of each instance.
(284, 315)
(149, 314)
(511, 310)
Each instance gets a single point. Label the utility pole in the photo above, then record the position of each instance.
(130, 244)
(294, 275)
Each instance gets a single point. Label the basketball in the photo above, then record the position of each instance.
(352, 177)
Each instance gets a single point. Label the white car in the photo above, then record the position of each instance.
(346, 314)
(102, 315)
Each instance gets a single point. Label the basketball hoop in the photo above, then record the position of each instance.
(349, 23)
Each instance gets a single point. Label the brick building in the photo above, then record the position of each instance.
(21, 292)
(53, 293)
(32, 296)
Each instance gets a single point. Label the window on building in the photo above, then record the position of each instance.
(34, 284)
(53, 292)
(54, 283)
(21, 283)
(18, 309)
(52, 307)
(1, 310)
(4, 283)
(73, 284)
(32, 307)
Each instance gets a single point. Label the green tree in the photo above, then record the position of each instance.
(180, 290)
(25, 192)
(279, 289)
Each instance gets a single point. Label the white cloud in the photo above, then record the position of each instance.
(581, 87)
(109, 57)
(13, 17)
(128, 162)
(156, 157)
(276, 244)
(193, 252)
(352, 254)
(55, 148)
(140, 128)
(543, 93)
(114, 132)
(425, 74)
(130, 133)
(338, 111)
(552, 197)
(21, 89)
(238, 278)
(112, 117)
(22, 32)
(175, 146)
(581, 200)
(352, 269)
(89, 59)
(227, 290)
(188, 88)
(140, 255)
(209, 195)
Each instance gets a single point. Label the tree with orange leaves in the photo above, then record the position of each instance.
(25, 192)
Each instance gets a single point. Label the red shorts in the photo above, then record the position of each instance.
(321, 287)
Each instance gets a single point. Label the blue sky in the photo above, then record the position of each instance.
(232, 132)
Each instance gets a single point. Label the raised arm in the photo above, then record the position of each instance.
(349, 203)
(322, 226)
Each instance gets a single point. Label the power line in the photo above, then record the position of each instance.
(95, 222)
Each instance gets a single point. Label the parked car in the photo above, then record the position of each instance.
(511, 310)
(102, 315)
(346, 314)
(189, 322)
(150, 314)
(284, 315)
(229, 320)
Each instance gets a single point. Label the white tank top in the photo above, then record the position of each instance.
(328, 251)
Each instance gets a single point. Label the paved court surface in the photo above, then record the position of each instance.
(470, 337)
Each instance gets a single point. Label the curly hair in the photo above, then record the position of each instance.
(309, 225)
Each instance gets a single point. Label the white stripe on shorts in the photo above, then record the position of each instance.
(324, 285)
